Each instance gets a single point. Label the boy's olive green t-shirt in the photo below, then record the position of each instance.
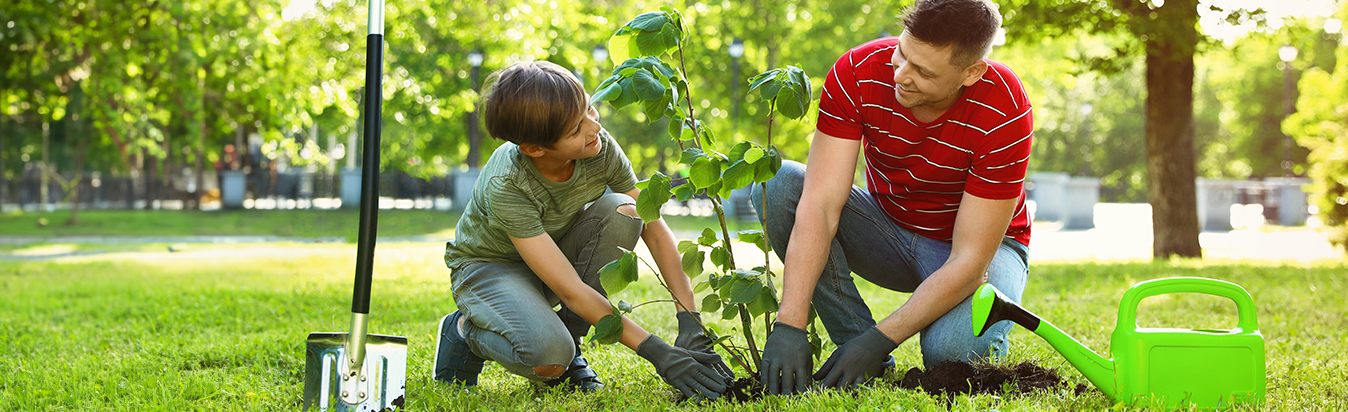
(512, 198)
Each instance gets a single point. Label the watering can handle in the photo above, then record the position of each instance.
(1244, 302)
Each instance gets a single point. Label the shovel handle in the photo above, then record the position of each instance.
(1248, 322)
(369, 174)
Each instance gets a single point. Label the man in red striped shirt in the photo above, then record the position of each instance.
(946, 136)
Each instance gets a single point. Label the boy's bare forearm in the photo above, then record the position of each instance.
(555, 270)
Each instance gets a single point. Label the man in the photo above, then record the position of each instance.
(946, 135)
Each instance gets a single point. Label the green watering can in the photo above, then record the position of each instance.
(1205, 367)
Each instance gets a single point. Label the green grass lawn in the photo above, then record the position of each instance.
(224, 328)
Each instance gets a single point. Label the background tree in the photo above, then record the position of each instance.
(1166, 34)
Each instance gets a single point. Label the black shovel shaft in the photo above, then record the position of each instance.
(369, 174)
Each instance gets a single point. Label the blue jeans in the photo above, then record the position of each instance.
(871, 245)
(509, 308)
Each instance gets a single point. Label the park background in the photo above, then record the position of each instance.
(118, 120)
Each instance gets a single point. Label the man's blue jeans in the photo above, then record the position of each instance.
(509, 308)
(871, 245)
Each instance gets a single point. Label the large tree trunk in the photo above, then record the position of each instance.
(1170, 131)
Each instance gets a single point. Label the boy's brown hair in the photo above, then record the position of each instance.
(535, 102)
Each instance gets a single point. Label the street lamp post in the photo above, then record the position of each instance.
(736, 51)
(1287, 54)
(474, 59)
(600, 55)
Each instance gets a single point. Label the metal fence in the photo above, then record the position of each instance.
(264, 189)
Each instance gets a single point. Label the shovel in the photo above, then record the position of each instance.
(359, 371)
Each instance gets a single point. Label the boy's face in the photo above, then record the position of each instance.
(582, 141)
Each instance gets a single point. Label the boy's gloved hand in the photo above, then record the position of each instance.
(786, 361)
(857, 361)
(692, 338)
(686, 370)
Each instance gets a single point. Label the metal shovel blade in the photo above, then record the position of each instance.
(383, 381)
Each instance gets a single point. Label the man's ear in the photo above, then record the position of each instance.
(531, 150)
(975, 72)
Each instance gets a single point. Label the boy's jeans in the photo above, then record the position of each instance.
(509, 309)
(886, 254)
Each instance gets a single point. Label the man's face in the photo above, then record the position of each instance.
(924, 74)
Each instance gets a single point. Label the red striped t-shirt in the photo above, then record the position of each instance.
(918, 171)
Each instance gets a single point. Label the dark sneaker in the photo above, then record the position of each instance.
(578, 375)
(454, 362)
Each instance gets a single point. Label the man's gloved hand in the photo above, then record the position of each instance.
(786, 361)
(857, 361)
(691, 338)
(689, 372)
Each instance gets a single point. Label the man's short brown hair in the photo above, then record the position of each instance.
(969, 26)
(535, 102)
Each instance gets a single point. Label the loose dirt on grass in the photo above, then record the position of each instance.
(958, 378)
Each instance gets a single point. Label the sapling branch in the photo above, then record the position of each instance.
(705, 330)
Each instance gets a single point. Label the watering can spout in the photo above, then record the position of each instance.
(991, 306)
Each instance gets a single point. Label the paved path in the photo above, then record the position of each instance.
(1122, 232)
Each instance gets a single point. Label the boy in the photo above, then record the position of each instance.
(535, 234)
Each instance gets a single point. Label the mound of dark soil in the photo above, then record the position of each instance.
(959, 378)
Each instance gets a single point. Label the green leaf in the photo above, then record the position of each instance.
(670, 36)
(790, 105)
(765, 302)
(692, 262)
(683, 193)
(649, 21)
(616, 275)
(729, 312)
(739, 174)
(769, 90)
(710, 303)
(609, 92)
(755, 237)
(738, 150)
(794, 101)
(743, 290)
(687, 133)
(648, 207)
(803, 80)
(624, 307)
(651, 43)
(654, 196)
(628, 71)
(753, 154)
(765, 170)
(647, 86)
(609, 330)
(654, 109)
(705, 172)
(708, 237)
(628, 96)
(701, 286)
(745, 274)
(720, 257)
(764, 77)
(685, 245)
(675, 127)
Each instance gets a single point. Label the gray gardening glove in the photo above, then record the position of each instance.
(786, 361)
(857, 361)
(689, 372)
(691, 338)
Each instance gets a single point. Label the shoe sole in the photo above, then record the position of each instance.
(439, 338)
